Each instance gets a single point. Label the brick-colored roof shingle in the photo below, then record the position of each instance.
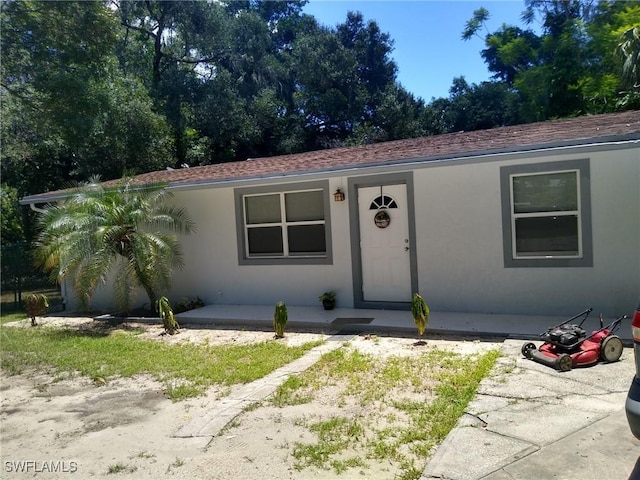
(565, 132)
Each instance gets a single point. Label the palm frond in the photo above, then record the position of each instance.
(123, 233)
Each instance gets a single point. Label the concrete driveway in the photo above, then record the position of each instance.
(530, 421)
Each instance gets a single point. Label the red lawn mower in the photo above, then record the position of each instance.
(567, 345)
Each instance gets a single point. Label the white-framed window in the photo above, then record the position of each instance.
(289, 224)
(285, 224)
(546, 214)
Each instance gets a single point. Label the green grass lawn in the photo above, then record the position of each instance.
(186, 370)
(12, 316)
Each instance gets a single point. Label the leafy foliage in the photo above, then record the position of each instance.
(11, 227)
(578, 63)
(420, 312)
(35, 304)
(69, 111)
(628, 50)
(105, 87)
(124, 232)
(169, 322)
(280, 319)
(185, 304)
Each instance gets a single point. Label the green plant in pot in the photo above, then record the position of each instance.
(328, 300)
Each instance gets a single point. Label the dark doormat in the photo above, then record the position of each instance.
(342, 321)
(341, 336)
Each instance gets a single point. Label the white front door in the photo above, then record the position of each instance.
(384, 243)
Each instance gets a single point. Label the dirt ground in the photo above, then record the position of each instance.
(73, 428)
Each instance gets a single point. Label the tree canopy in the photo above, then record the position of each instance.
(579, 61)
(109, 86)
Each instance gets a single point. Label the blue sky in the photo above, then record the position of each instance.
(428, 48)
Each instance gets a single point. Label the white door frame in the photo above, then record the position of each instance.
(354, 184)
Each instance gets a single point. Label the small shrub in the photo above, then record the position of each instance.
(36, 304)
(185, 304)
(166, 314)
(280, 318)
(420, 312)
(121, 467)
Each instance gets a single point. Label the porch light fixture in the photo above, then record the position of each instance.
(339, 195)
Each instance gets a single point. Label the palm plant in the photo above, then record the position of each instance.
(628, 51)
(126, 233)
(280, 319)
(420, 312)
(36, 304)
(169, 322)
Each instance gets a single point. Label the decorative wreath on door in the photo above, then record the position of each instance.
(382, 219)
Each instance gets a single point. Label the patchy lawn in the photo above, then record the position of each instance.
(97, 396)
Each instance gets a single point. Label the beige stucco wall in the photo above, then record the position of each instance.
(459, 231)
(213, 273)
(458, 223)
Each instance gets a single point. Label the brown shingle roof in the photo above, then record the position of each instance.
(565, 132)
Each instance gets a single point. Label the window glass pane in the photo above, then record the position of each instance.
(547, 236)
(262, 209)
(304, 206)
(383, 201)
(549, 192)
(265, 241)
(306, 239)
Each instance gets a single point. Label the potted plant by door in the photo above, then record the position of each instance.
(328, 300)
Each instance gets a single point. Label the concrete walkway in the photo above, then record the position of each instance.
(396, 321)
(226, 409)
(526, 421)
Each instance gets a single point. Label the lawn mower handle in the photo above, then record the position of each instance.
(585, 313)
(613, 326)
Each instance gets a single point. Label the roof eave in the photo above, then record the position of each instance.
(45, 198)
(410, 161)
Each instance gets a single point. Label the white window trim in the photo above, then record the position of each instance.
(241, 241)
(515, 216)
(582, 165)
(283, 224)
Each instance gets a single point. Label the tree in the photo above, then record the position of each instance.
(129, 135)
(628, 50)
(11, 229)
(510, 51)
(53, 56)
(14, 258)
(185, 43)
(126, 233)
(568, 67)
(344, 80)
(108, 86)
(68, 110)
(472, 107)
